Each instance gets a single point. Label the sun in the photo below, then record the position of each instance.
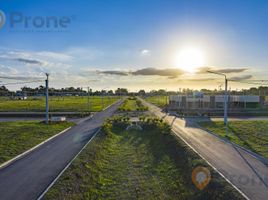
(189, 59)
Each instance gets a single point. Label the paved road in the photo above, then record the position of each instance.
(28, 177)
(244, 171)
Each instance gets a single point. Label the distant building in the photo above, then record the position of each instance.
(213, 102)
(20, 96)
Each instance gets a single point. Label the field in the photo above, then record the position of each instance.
(252, 135)
(132, 104)
(17, 137)
(74, 104)
(160, 101)
(147, 164)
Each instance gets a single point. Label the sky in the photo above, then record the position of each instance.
(134, 44)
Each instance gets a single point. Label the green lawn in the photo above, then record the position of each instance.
(160, 101)
(252, 135)
(148, 164)
(132, 104)
(17, 137)
(75, 104)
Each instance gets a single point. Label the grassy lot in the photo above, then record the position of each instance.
(148, 164)
(132, 104)
(17, 137)
(252, 135)
(160, 101)
(75, 104)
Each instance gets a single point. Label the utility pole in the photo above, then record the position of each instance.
(88, 106)
(225, 97)
(102, 100)
(166, 101)
(47, 106)
(225, 101)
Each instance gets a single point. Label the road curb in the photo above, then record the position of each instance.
(9, 162)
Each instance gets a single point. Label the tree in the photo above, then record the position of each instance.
(142, 93)
(121, 91)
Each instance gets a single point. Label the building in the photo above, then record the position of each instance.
(214, 102)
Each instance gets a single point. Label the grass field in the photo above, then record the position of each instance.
(17, 137)
(132, 104)
(148, 164)
(75, 104)
(160, 101)
(252, 135)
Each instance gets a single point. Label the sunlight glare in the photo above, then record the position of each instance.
(189, 59)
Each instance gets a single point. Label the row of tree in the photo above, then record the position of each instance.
(71, 91)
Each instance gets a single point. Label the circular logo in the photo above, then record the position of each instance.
(2, 19)
(201, 177)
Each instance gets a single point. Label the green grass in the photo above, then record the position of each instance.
(17, 137)
(160, 101)
(132, 104)
(148, 164)
(252, 135)
(74, 104)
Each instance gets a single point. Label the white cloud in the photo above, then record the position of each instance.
(145, 52)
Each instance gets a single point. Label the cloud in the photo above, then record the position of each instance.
(241, 78)
(198, 79)
(62, 57)
(145, 52)
(18, 77)
(7, 70)
(169, 72)
(28, 61)
(217, 70)
(227, 71)
(119, 73)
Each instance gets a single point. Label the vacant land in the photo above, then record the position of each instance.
(160, 101)
(132, 104)
(74, 104)
(147, 164)
(252, 135)
(17, 137)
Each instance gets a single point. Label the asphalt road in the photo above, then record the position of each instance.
(27, 178)
(243, 170)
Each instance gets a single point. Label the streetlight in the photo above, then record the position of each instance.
(102, 90)
(225, 96)
(47, 106)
